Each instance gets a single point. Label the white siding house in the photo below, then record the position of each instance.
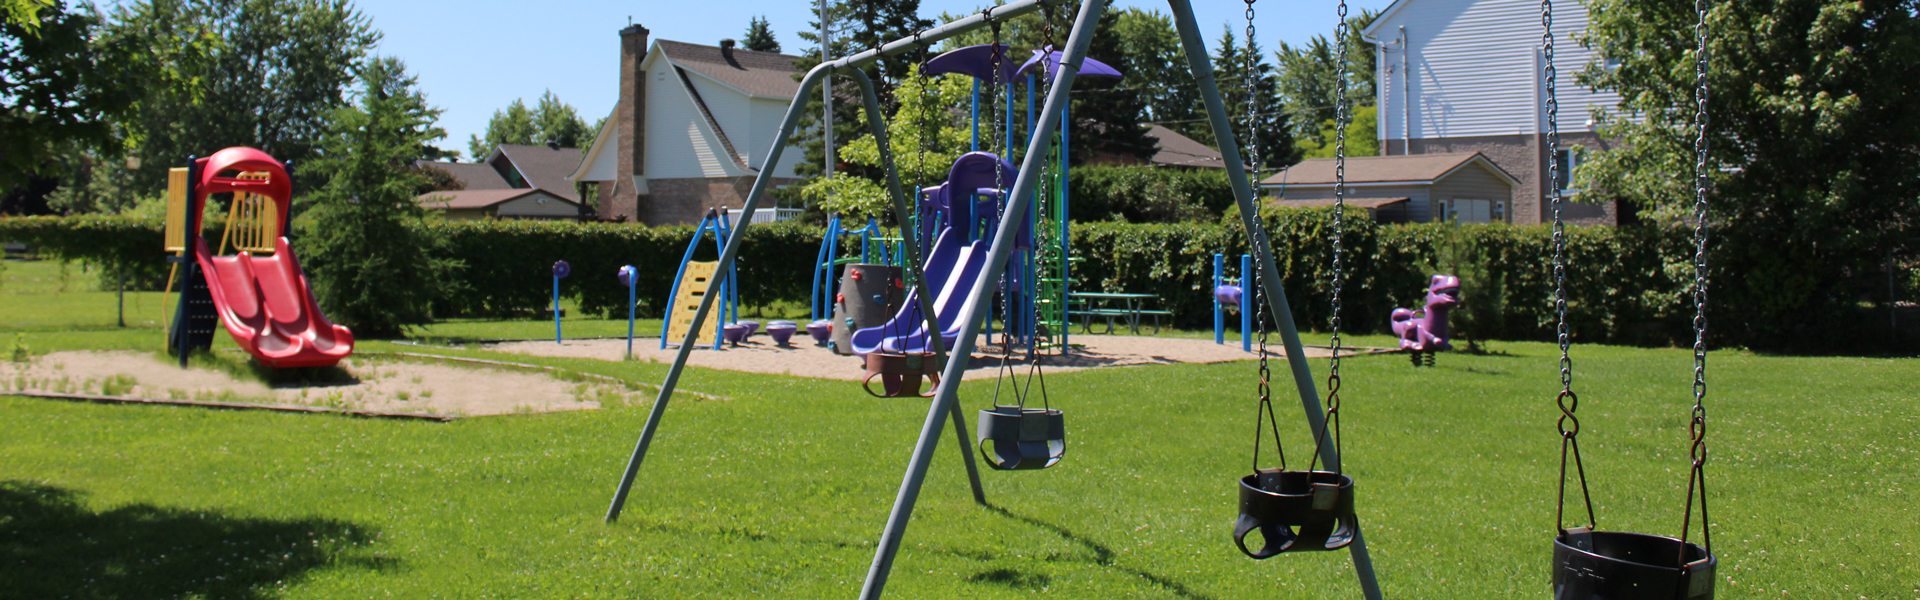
(693, 128)
(1465, 76)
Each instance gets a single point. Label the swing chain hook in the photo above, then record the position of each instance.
(1702, 181)
(1568, 401)
(1337, 277)
(1264, 420)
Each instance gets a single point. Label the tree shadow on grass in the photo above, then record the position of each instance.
(1102, 556)
(53, 546)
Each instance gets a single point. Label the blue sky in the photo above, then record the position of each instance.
(474, 57)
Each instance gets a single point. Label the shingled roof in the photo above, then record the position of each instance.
(758, 74)
(1175, 150)
(545, 168)
(1415, 168)
(472, 176)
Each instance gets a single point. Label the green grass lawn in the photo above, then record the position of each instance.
(781, 488)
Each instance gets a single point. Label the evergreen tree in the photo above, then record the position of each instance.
(373, 268)
(1109, 115)
(759, 36)
(1269, 114)
(856, 25)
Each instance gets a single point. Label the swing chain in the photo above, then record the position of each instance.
(1568, 401)
(1342, 115)
(1046, 37)
(1702, 179)
(1262, 411)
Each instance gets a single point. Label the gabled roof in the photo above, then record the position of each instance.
(1175, 150)
(1408, 169)
(473, 199)
(603, 141)
(1387, 14)
(544, 168)
(472, 176)
(756, 74)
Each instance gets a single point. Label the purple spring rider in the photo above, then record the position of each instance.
(1424, 332)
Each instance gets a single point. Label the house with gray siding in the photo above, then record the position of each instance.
(1461, 187)
(693, 127)
(1464, 76)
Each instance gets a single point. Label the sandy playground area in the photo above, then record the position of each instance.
(759, 354)
(364, 384)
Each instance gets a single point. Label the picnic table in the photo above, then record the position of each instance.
(1117, 305)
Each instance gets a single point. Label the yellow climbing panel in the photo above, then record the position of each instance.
(694, 284)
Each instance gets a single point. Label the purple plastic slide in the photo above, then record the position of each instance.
(906, 331)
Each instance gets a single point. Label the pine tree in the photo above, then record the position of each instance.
(372, 268)
(1110, 114)
(856, 25)
(759, 36)
(1269, 114)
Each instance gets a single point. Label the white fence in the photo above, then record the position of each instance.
(764, 215)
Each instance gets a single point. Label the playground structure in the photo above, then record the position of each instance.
(1229, 295)
(875, 249)
(1020, 199)
(1424, 332)
(694, 281)
(259, 294)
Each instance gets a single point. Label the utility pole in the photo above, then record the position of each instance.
(826, 88)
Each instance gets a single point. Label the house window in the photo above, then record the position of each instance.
(1567, 160)
(1471, 210)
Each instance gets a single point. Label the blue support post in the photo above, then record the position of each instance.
(629, 277)
(1219, 317)
(974, 146)
(1246, 303)
(560, 271)
(1066, 216)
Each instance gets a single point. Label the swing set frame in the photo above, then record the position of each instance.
(945, 405)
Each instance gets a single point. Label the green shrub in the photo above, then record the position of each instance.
(1144, 194)
(1626, 284)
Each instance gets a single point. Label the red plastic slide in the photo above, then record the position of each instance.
(264, 301)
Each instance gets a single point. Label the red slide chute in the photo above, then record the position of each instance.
(264, 301)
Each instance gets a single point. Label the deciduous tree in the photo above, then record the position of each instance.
(1815, 146)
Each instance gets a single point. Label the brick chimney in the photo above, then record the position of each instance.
(623, 202)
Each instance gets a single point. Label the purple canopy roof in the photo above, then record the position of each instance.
(973, 61)
(1090, 67)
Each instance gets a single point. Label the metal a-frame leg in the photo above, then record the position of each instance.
(1199, 63)
(1002, 246)
(731, 251)
(1038, 146)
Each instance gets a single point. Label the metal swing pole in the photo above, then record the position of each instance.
(878, 124)
(760, 184)
(1002, 246)
(1198, 62)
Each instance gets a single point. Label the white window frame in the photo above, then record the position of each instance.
(1449, 210)
(1575, 156)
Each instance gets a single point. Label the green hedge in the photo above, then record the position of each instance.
(1626, 284)
(507, 263)
(1144, 194)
